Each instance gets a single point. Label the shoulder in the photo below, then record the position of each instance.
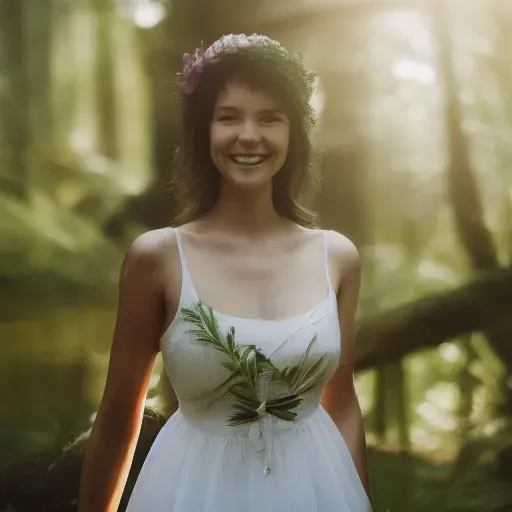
(344, 255)
(147, 253)
(151, 245)
(342, 248)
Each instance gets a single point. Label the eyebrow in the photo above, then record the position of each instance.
(264, 111)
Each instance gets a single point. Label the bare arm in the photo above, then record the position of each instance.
(116, 429)
(340, 399)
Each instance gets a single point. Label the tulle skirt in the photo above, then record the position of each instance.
(190, 470)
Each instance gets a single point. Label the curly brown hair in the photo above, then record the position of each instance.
(263, 67)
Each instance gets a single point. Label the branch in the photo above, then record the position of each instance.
(433, 320)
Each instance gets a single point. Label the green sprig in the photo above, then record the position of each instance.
(247, 364)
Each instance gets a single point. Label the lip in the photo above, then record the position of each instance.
(261, 159)
(262, 155)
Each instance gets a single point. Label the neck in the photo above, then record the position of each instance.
(247, 212)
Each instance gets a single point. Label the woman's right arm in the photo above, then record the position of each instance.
(114, 435)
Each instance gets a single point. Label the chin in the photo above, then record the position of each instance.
(248, 178)
(248, 184)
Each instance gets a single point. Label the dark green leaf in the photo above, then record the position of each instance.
(231, 366)
(243, 392)
(230, 337)
(286, 405)
(285, 415)
(282, 400)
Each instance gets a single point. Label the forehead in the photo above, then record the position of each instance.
(241, 96)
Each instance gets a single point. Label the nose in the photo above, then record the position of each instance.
(249, 133)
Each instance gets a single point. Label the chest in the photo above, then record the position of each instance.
(259, 282)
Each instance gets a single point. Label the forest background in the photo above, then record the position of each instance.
(414, 100)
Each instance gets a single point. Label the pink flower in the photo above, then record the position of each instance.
(193, 65)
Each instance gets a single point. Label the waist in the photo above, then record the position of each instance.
(213, 422)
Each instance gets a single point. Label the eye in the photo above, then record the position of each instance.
(226, 117)
(270, 119)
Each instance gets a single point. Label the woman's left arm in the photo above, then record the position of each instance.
(340, 399)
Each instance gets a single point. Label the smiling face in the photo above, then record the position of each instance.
(249, 136)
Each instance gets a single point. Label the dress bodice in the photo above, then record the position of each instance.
(309, 342)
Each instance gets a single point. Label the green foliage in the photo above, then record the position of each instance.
(45, 243)
(430, 486)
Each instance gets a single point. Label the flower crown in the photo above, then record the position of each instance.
(255, 46)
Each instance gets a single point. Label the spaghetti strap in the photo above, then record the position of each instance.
(187, 286)
(180, 248)
(326, 260)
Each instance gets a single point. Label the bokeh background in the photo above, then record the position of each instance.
(415, 126)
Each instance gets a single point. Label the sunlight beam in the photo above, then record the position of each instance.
(409, 69)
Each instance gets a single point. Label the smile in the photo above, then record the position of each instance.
(248, 159)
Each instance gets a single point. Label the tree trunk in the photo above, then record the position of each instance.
(463, 192)
(64, 86)
(105, 87)
(428, 322)
(341, 202)
(39, 33)
(502, 14)
(379, 415)
(466, 384)
(189, 22)
(15, 98)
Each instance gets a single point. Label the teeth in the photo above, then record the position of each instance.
(248, 159)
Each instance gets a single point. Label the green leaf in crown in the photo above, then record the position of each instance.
(247, 364)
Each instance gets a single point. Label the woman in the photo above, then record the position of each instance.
(252, 307)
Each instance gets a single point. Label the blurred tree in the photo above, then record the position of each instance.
(163, 46)
(467, 384)
(104, 17)
(476, 239)
(431, 320)
(502, 16)
(345, 200)
(38, 36)
(65, 85)
(16, 137)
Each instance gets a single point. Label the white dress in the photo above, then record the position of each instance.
(199, 463)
